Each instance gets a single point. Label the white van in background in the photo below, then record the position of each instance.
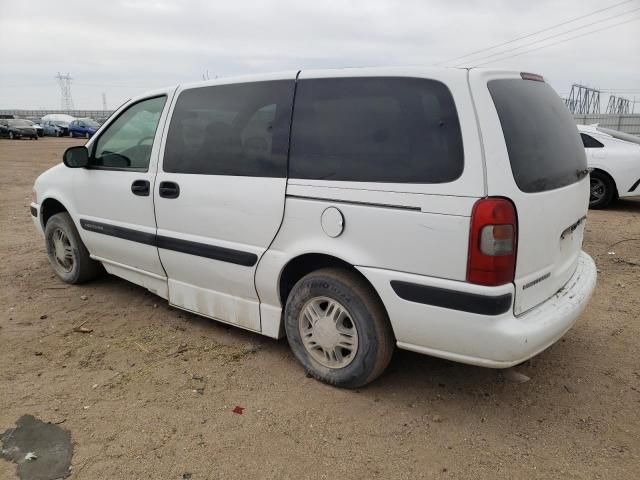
(437, 210)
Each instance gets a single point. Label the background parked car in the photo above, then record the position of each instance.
(17, 128)
(615, 160)
(57, 124)
(83, 127)
(55, 129)
(38, 127)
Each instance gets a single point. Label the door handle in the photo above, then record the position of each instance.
(169, 190)
(141, 188)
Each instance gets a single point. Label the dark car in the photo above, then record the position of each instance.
(17, 128)
(39, 129)
(83, 127)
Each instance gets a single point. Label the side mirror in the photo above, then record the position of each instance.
(76, 157)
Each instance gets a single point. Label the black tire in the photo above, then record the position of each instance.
(78, 267)
(11, 136)
(603, 190)
(375, 340)
(58, 133)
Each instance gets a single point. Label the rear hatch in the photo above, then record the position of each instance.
(534, 157)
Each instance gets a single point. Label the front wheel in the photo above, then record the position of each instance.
(11, 136)
(338, 328)
(602, 190)
(67, 254)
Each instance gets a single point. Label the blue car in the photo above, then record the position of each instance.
(83, 127)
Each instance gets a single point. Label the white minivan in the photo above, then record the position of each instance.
(437, 210)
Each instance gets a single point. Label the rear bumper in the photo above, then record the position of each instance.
(496, 341)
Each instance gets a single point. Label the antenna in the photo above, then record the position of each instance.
(66, 102)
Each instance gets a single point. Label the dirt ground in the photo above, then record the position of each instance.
(149, 393)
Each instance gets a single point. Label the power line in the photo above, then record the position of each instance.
(535, 33)
(556, 43)
(554, 36)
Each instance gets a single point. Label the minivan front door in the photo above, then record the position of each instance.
(113, 195)
(220, 193)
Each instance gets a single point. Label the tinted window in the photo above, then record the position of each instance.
(128, 141)
(403, 130)
(239, 129)
(544, 148)
(590, 142)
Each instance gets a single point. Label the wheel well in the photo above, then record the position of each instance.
(49, 208)
(304, 264)
(613, 182)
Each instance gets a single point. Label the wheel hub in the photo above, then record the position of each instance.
(62, 251)
(328, 332)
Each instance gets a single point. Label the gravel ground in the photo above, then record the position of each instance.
(149, 393)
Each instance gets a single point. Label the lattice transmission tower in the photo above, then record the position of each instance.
(583, 100)
(104, 102)
(618, 105)
(66, 102)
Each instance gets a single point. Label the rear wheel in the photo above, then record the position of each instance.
(67, 254)
(338, 328)
(602, 190)
(86, 135)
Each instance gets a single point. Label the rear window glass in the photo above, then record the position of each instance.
(378, 129)
(542, 139)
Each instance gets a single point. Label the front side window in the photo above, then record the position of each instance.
(127, 142)
(238, 129)
(368, 129)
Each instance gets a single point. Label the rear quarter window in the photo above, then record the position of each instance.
(545, 150)
(375, 129)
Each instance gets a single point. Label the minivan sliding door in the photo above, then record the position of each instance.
(219, 194)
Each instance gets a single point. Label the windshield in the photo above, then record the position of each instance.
(542, 139)
(90, 123)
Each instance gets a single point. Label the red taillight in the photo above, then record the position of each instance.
(492, 242)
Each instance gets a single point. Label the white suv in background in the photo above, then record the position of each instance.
(439, 210)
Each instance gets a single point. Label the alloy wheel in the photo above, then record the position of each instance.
(328, 332)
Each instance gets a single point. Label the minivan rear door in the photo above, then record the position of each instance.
(534, 156)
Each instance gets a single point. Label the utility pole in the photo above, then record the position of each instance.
(104, 102)
(66, 102)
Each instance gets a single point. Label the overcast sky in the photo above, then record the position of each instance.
(125, 47)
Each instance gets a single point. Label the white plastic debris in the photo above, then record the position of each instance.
(30, 456)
